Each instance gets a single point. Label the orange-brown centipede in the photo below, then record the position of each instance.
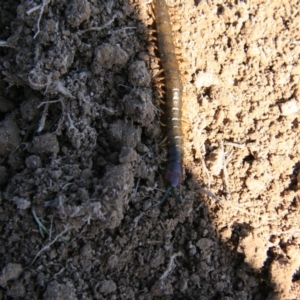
(174, 170)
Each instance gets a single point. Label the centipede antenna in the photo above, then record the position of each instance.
(164, 198)
(176, 196)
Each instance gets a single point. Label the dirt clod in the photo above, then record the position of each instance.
(9, 136)
(106, 287)
(46, 143)
(108, 55)
(58, 291)
(127, 155)
(11, 271)
(77, 12)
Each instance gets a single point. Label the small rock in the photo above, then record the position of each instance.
(289, 108)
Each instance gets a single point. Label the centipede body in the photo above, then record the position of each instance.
(174, 169)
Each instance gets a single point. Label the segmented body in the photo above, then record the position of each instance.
(174, 170)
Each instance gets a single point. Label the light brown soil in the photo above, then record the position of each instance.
(79, 152)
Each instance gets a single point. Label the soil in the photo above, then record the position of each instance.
(81, 158)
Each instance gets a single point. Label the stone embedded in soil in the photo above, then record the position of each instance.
(46, 143)
(9, 136)
(10, 272)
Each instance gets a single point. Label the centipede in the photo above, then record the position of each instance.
(173, 175)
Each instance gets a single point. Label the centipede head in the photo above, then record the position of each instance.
(173, 175)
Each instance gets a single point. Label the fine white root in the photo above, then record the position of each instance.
(5, 44)
(98, 28)
(41, 7)
(31, 10)
(171, 266)
(43, 118)
(50, 244)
